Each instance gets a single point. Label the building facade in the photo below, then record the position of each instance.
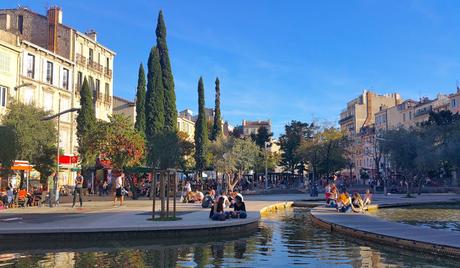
(41, 64)
(252, 127)
(125, 107)
(360, 111)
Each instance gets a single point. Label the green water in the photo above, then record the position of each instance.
(285, 239)
(437, 216)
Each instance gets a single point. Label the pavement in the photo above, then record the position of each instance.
(397, 234)
(102, 216)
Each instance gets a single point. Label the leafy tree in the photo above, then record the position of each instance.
(140, 101)
(217, 127)
(34, 140)
(170, 121)
(154, 106)
(401, 147)
(187, 150)
(86, 121)
(290, 141)
(324, 152)
(263, 136)
(243, 156)
(201, 131)
(9, 148)
(118, 142)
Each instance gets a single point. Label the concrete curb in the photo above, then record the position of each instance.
(389, 240)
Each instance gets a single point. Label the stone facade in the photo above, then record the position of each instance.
(252, 127)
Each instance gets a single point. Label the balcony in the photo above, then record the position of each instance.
(345, 119)
(81, 59)
(95, 66)
(107, 72)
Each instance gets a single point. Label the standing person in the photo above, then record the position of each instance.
(118, 189)
(78, 189)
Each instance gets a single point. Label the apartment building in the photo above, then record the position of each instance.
(125, 107)
(360, 111)
(252, 127)
(43, 61)
(9, 61)
(454, 100)
(401, 115)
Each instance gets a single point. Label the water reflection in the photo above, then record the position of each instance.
(437, 216)
(285, 239)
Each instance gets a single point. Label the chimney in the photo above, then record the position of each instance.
(54, 15)
(92, 34)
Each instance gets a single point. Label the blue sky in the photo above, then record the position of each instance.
(283, 60)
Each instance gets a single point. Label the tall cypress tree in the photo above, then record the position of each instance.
(217, 127)
(201, 131)
(154, 105)
(86, 121)
(140, 101)
(170, 109)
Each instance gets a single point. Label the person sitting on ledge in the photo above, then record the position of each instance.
(357, 204)
(217, 210)
(239, 208)
(367, 198)
(344, 202)
(207, 200)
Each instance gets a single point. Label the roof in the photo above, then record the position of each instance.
(124, 100)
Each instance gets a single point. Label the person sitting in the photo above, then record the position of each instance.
(207, 201)
(344, 202)
(199, 196)
(239, 208)
(367, 198)
(21, 198)
(217, 210)
(357, 204)
(332, 201)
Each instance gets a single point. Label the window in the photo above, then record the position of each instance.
(30, 65)
(454, 103)
(28, 95)
(47, 101)
(20, 24)
(99, 58)
(107, 91)
(3, 96)
(49, 72)
(65, 105)
(90, 56)
(91, 83)
(107, 63)
(4, 63)
(98, 86)
(410, 115)
(65, 78)
(404, 117)
(79, 80)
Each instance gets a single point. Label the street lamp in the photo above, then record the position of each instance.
(266, 165)
(58, 115)
(16, 88)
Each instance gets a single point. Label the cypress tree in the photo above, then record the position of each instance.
(86, 121)
(217, 127)
(154, 105)
(170, 109)
(140, 101)
(201, 131)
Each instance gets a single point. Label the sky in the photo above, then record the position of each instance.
(279, 60)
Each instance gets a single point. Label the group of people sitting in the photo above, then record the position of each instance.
(343, 202)
(11, 197)
(218, 204)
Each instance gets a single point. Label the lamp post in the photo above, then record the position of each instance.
(16, 88)
(266, 166)
(58, 115)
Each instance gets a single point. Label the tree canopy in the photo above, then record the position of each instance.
(140, 101)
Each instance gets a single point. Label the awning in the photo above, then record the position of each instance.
(21, 165)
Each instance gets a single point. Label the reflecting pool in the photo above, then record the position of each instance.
(285, 239)
(437, 216)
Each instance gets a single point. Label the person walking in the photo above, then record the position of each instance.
(78, 189)
(118, 189)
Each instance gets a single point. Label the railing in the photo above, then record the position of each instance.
(95, 66)
(81, 59)
(107, 72)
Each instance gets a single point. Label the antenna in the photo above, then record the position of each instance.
(456, 82)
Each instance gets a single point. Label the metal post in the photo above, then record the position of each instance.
(167, 193)
(162, 194)
(175, 192)
(266, 167)
(57, 145)
(153, 192)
